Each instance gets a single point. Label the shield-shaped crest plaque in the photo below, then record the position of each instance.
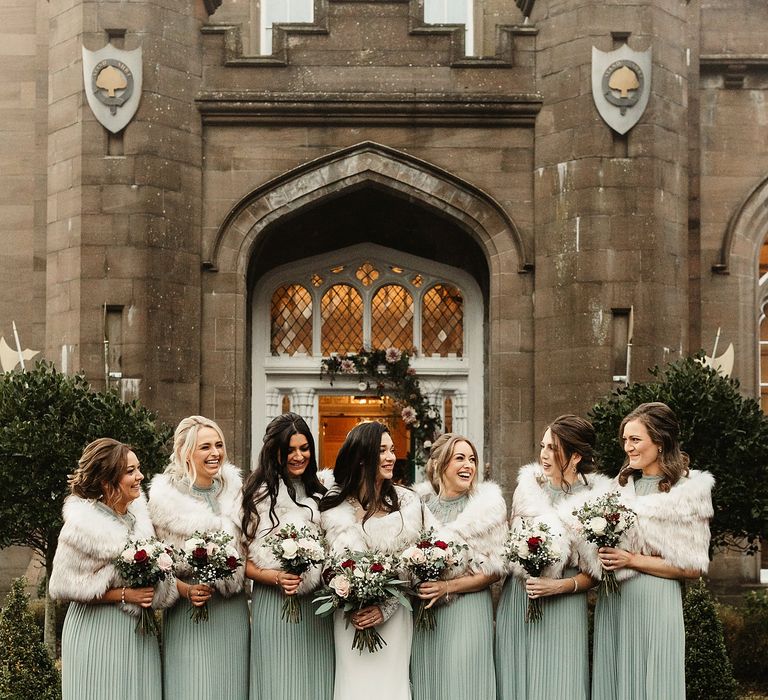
(112, 85)
(621, 85)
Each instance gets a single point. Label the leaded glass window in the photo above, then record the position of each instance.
(442, 321)
(291, 321)
(392, 318)
(342, 320)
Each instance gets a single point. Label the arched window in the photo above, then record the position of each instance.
(342, 320)
(291, 321)
(392, 318)
(443, 322)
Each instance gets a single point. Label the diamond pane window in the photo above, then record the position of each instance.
(317, 280)
(442, 322)
(291, 321)
(392, 318)
(342, 319)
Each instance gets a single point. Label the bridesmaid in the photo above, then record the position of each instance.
(284, 489)
(366, 511)
(100, 650)
(639, 648)
(549, 658)
(201, 490)
(455, 660)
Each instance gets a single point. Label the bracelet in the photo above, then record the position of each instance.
(447, 588)
(575, 585)
(122, 596)
(277, 579)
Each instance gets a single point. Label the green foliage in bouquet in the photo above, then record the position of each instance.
(708, 671)
(26, 669)
(722, 431)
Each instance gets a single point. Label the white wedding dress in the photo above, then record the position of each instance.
(381, 675)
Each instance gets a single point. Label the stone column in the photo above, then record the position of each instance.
(611, 210)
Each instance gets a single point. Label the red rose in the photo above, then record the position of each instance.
(232, 563)
(424, 544)
(440, 544)
(613, 518)
(141, 556)
(377, 568)
(294, 535)
(533, 543)
(200, 553)
(349, 564)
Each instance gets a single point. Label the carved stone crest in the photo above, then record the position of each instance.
(112, 80)
(621, 82)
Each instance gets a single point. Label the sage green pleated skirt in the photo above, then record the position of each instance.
(455, 660)
(289, 661)
(103, 657)
(639, 648)
(547, 659)
(207, 660)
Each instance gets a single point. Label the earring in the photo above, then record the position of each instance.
(659, 450)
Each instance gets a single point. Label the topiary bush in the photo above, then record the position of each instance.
(708, 670)
(722, 431)
(750, 644)
(26, 669)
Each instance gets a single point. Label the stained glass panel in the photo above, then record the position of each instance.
(291, 320)
(342, 319)
(392, 318)
(442, 325)
(367, 274)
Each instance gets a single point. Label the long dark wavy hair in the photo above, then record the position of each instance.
(355, 472)
(574, 435)
(663, 429)
(264, 481)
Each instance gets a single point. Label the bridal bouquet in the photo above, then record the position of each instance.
(429, 560)
(212, 559)
(533, 546)
(144, 563)
(357, 580)
(603, 521)
(296, 550)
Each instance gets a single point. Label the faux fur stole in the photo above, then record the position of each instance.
(482, 526)
(672, 525)
(287, 512)
(89, 542)
(177, 513)
(531, 501)
(391, 533)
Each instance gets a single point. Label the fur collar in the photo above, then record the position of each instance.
(391, 533)
(89, 542)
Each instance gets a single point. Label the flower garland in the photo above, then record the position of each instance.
(389, 372)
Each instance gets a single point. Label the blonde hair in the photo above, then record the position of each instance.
(440, 454)
(182, 467)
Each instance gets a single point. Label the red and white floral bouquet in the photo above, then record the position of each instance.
(430, 559)
(357, 580)
(141, 564)
(296, 550)
(603, 521)
(212, 559)
(534, 546)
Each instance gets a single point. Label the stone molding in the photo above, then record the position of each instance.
(364, 163)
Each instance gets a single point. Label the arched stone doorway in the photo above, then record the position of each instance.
(474, 232)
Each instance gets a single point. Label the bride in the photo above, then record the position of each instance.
(366, 511)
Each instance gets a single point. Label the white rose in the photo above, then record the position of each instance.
(522, 550)
(192, 544)
(290, 548)
(164, 562)
(437, 553)
(212, 548)
(340, 585)
(597, 525)
(418, 556)
(127, 555)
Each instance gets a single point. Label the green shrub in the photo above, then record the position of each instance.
(708, 671)
(26, 670)
(722, 431)
(750, 650)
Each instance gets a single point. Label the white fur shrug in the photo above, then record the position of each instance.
(482, 526)
(672, 525)
(530, 500)
(287, 512)
(89, 543)
(177, 513)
